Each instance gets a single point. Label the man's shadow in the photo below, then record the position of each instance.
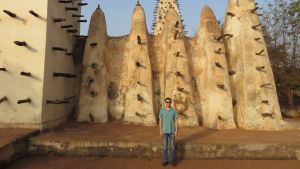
(180, 144)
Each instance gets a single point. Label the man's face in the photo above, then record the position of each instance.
(168, 103)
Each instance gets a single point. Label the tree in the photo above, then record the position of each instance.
(281, 21)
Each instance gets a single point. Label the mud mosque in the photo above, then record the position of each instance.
(220, 79)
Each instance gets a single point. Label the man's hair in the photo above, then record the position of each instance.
(168, 98)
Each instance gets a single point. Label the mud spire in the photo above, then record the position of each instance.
(95, 73)
(254, 90)
(139, 89)
(216, 103)
(176, 77)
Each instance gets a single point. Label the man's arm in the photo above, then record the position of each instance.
(176, 126)
(176, 123)
(160, 126)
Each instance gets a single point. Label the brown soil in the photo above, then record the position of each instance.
(8, 135)
(118, 132)
(44, 162)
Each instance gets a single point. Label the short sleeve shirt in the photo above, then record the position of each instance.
(168, 118)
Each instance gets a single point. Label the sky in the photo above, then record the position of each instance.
(118, 13)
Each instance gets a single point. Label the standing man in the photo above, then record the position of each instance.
(168, 129)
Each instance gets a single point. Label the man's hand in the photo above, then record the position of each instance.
(160, 132)
(175, 134)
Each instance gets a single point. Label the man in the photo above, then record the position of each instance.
(168, 129)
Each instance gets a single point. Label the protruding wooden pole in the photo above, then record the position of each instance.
(3, 69)
(19, 43)
(3, 99)
(28, 100)
(13, 15)
(64, 75)
(28, 74)
(34, 13)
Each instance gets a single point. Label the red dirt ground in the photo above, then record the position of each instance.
(9, 134)
(44, 162)
(116, 131)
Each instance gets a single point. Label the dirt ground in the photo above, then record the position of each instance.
(118, 132)
(7, 135)
(51, 162)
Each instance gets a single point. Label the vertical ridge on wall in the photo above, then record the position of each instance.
(58, 92)
(253, 83)
(93, 103)
(139, 94)
(177, 75)
(213, 79)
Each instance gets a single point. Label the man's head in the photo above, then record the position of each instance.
(168, 102)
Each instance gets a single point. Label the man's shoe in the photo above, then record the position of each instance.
(165, 163)
(173, 163)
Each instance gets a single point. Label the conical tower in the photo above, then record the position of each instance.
(139, 98)
(254, 89)
(160, 13)
(93, 100)
(212, 74)
(177, 78)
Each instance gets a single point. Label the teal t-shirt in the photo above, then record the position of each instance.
(168, 117)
